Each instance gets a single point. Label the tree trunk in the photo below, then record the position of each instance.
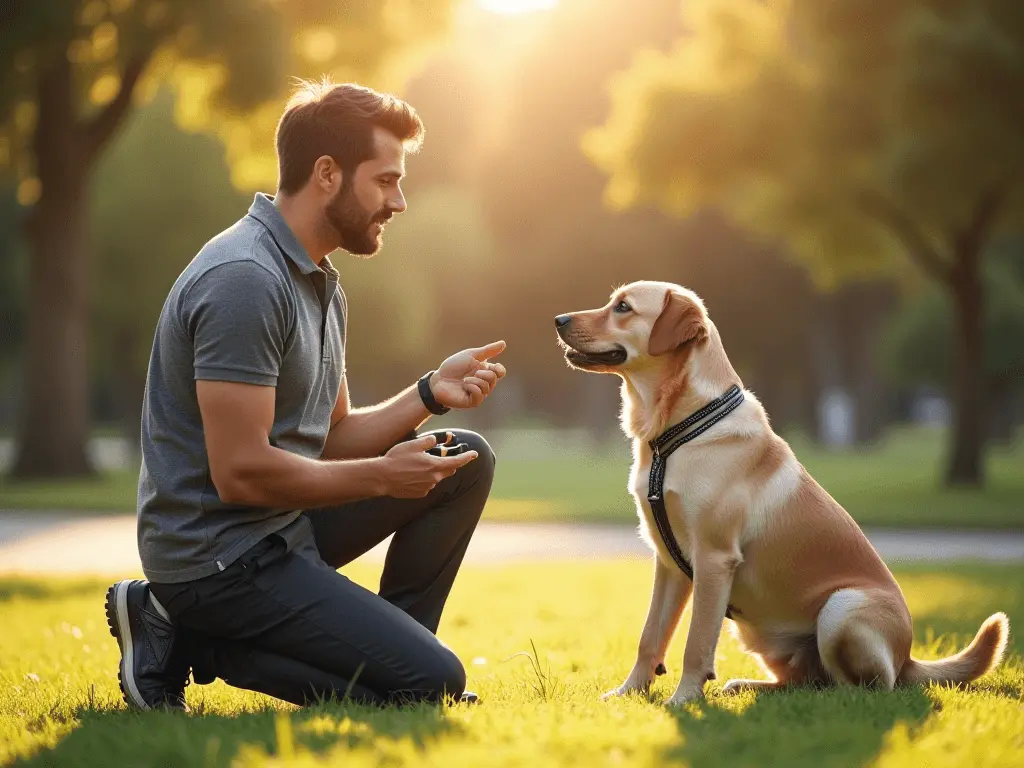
(53, 429)
(962, 277)
(862, 309)
(965, 466)
(1001, 422)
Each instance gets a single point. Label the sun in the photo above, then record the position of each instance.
(510, 7)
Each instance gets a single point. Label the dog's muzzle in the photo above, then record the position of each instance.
(585, 358)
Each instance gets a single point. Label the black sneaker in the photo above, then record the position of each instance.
(154, 669)
(468, 697)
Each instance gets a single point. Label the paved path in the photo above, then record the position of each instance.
(73, 543)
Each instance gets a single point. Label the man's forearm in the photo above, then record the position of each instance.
(271, 477)
(371, 431)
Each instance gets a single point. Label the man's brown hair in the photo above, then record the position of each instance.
(338, 121)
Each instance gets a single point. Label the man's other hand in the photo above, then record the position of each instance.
(466, 378)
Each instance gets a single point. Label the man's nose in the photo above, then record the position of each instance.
(562, 320)
(397, 204)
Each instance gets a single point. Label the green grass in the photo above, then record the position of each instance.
(896, 484)
(59, 703)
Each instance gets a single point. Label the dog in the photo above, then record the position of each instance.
(809, 596)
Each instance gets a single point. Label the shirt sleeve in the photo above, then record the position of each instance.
(237, 316)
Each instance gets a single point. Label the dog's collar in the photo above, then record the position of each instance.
(697, 423)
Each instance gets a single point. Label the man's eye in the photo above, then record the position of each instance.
(622, 307)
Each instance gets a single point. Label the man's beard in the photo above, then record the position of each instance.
(353, 224)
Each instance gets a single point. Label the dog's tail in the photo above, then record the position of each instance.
(981, 656)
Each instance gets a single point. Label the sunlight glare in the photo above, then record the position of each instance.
(510, 7)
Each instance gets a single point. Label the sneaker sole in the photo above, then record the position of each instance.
(120, 628)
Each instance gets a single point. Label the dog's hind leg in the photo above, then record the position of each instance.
(855, 633)
(802, 667)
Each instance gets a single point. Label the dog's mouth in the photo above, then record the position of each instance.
(591, 359)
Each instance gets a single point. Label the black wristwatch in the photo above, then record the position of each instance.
(423, 385)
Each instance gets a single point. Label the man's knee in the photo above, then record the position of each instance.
(443, 675)
(484, 464)
(450, 677)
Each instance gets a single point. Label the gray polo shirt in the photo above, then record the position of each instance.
(251, 307)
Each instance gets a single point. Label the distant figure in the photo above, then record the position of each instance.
(258, 478)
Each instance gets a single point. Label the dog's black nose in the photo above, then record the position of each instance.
(562, 321)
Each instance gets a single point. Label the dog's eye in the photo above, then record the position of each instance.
(622, 307)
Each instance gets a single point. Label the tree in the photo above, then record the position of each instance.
(70, 71)
(865, 134)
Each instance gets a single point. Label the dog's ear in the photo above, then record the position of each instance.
(680, 322)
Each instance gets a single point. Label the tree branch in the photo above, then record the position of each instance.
(969, 240)
(101, 128)
(916, 242)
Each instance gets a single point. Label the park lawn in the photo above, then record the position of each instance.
(575, 628)
(896, 484)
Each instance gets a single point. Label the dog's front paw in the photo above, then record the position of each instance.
(685, 694)
(614, 693)
(635, 683)
(625, 689)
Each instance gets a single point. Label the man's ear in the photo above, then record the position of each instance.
(326, 173)
(680, 322)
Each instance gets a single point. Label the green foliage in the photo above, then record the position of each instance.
(855, 131)
(230, 62)
(917, 346)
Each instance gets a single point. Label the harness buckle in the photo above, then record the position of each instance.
(654, 497)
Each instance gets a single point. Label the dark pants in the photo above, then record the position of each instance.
(287, 624)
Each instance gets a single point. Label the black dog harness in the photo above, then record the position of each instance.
(663, 447)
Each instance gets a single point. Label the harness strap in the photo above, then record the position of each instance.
(663, 447)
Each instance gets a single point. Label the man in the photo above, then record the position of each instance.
(258, 480)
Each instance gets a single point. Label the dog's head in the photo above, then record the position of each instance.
(641, 324)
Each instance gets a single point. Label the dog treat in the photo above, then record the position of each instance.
(449, 450)
(443, 447)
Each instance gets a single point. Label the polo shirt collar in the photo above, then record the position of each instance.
(265, 212)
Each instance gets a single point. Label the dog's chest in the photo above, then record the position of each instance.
(684, 500)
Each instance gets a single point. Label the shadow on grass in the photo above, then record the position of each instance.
(801, 727)
(118, 737)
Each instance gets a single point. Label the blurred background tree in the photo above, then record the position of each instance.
(866, 136)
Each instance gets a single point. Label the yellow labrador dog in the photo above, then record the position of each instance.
(808, 593)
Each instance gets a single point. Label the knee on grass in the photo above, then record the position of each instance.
(440, 677)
